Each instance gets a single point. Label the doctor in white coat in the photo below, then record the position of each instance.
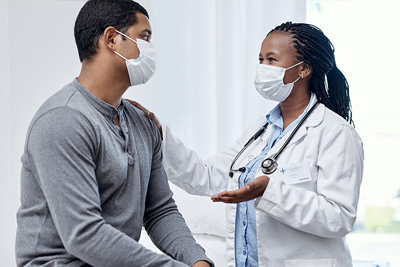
(300, 214)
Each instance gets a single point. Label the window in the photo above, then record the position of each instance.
(366, 39)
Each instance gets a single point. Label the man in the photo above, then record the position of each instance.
(89, 184)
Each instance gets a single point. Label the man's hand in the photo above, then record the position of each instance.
(250, 191)
(201, 264)
(149, 114)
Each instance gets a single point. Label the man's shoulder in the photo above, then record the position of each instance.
(57, 100)
(142, 123)
(61, 107)
(138, 115)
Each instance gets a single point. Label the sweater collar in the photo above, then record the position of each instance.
(103, 107)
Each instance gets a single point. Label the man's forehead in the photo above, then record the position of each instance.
(142, 24)
(142, 18)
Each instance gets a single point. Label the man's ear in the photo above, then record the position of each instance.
(305, 70)
(109, 38)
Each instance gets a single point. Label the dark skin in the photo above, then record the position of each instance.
(105, 75)
(277, 49)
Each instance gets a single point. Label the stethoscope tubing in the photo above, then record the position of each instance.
(251, 140)
(273, 159)
(271, 162)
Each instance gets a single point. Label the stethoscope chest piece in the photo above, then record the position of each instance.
(269, 165)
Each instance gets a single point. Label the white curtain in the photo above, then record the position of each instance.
(203, 88)
(207, 53)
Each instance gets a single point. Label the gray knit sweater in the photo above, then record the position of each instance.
(88, 186)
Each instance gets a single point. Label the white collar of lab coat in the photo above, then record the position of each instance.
(315, 118)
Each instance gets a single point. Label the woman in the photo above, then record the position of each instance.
(300, 214)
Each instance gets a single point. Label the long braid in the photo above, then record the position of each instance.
(327, 81)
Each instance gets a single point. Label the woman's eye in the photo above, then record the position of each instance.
(270, 59)
(261, 60)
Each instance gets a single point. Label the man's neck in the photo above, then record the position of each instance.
(103, 83)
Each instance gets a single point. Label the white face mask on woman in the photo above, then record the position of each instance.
(269, 82)
(141, 69)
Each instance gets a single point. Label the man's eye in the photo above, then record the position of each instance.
(270, 59)
(261, 60)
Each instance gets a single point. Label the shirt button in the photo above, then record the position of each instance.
(231, 229)
(234, 187)
(250, 156)
(244, 223)
(244, 252)
(231, 266)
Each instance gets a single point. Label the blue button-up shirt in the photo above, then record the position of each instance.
(245, 232)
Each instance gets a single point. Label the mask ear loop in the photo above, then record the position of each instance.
(297, 79)
(121, 56)
(126, 36)
(294, 65)
(129, 39)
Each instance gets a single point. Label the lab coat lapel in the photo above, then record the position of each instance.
(315, 118)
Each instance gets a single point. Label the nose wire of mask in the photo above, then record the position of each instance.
(140, 69)
(269, 82)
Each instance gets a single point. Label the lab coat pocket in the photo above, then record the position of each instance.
(312, 263)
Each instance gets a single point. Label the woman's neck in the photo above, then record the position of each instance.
(293, 107)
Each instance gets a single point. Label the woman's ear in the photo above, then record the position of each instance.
(109, 38)
(305, 70)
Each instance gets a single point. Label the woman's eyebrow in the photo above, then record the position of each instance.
(271, 54)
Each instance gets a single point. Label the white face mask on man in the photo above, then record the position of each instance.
(269, 82)
(141, 69)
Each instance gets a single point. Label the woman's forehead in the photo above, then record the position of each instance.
(278, 42)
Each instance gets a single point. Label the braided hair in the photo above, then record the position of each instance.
(327, 81)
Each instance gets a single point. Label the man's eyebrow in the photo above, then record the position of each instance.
(147, 30)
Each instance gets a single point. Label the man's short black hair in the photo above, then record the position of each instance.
(96, 15)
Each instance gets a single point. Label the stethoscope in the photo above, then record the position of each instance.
(270, 164)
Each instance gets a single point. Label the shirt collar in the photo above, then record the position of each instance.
(274, 117)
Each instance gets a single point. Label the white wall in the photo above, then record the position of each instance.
(207, 51)
(37, 46)
(9, 188)
(203, 87)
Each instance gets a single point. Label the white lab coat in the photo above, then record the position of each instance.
(302, 224)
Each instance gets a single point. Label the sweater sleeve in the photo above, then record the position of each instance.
(61, 147)
(162, 220)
